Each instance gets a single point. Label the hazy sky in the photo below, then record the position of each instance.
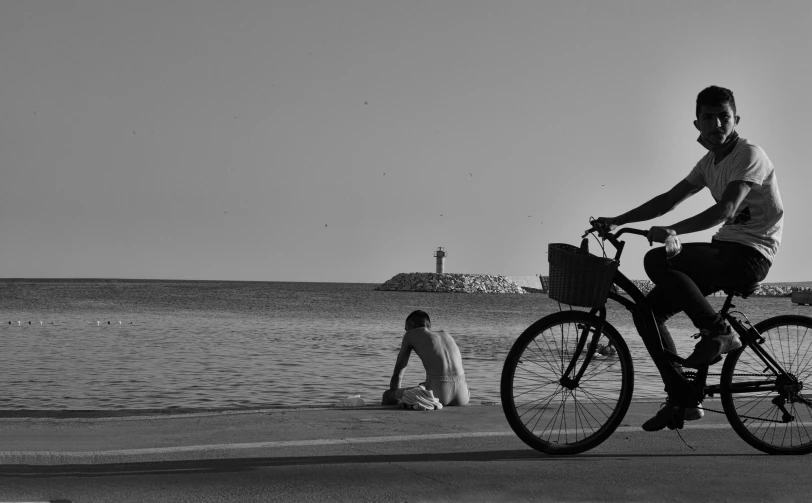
(345, 140)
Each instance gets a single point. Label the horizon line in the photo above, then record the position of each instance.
(157, 280)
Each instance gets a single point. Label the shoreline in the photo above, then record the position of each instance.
(124, 414)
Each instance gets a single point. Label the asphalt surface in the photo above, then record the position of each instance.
(374, 453)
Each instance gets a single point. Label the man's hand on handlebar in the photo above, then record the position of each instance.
(604, 226)
(668, 236)
(607, 224)
(660, 234)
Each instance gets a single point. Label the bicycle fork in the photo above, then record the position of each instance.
(572, 382)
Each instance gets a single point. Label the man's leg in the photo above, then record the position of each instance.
(675, 290)
(688, 277)
(684, 281)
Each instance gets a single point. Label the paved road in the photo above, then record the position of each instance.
(378, 454)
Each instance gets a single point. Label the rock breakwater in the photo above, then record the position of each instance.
(766, 290)
(487, 283)
(450, 283)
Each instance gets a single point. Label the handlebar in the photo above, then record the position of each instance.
(639, 232)
(672, 245)
(613, 238)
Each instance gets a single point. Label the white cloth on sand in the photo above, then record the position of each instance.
(419, 398)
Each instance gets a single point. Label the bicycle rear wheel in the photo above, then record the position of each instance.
(770, 411)
(550, 414)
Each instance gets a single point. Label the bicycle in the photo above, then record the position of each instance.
(561, 397)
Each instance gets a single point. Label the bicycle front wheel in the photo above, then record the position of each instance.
(544, 408)
(771, 411)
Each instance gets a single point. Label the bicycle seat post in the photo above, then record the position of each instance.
(728, 305)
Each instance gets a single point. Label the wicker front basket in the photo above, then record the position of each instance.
(578, 278)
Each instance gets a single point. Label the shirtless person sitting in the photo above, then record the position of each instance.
(441, 359)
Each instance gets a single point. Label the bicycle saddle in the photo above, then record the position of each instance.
(742, 291)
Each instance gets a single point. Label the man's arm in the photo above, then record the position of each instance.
(659, 205)
(401, 363)
(723, 210)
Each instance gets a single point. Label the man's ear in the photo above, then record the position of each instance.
(696, 125)
(737, 120)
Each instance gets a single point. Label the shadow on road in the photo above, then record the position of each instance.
(236, 465)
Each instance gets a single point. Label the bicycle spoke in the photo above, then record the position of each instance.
(537, 374)
(601, 402)
(579, 419)
(561, 369)
(798, 425)
(552, 365)
(540, 410)
(553, 420)
(527, 404)
(583, 411)
(593, 373)
(750, 410)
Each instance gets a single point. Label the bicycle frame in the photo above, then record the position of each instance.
(686, 392)
(785, 383)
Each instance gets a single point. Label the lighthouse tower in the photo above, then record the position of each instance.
(440, 254)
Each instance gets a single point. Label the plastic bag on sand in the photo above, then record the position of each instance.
(351, 401)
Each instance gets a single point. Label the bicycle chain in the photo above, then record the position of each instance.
(761, 419)
(744, 417)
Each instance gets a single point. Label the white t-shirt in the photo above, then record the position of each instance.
(760, 216)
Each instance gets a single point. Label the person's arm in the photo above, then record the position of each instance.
(720, 212)
(659, 205)
(401, 363)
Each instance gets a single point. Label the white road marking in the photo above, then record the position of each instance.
(83, 457)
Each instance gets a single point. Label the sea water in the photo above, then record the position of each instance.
(148, 344)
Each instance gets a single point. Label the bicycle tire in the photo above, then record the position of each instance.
(550, 417)
(753, 414)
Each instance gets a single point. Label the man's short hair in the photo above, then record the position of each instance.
(418, 319)
(715, 96)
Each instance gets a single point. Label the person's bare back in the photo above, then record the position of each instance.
(441, 359)
(437, 350)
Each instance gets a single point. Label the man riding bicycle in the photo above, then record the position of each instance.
(743, 183)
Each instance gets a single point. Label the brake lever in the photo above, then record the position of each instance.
(601, 230)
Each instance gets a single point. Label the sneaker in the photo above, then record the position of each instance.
(664, 417)
(667, 416)
(712, 345)
(694, 413)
